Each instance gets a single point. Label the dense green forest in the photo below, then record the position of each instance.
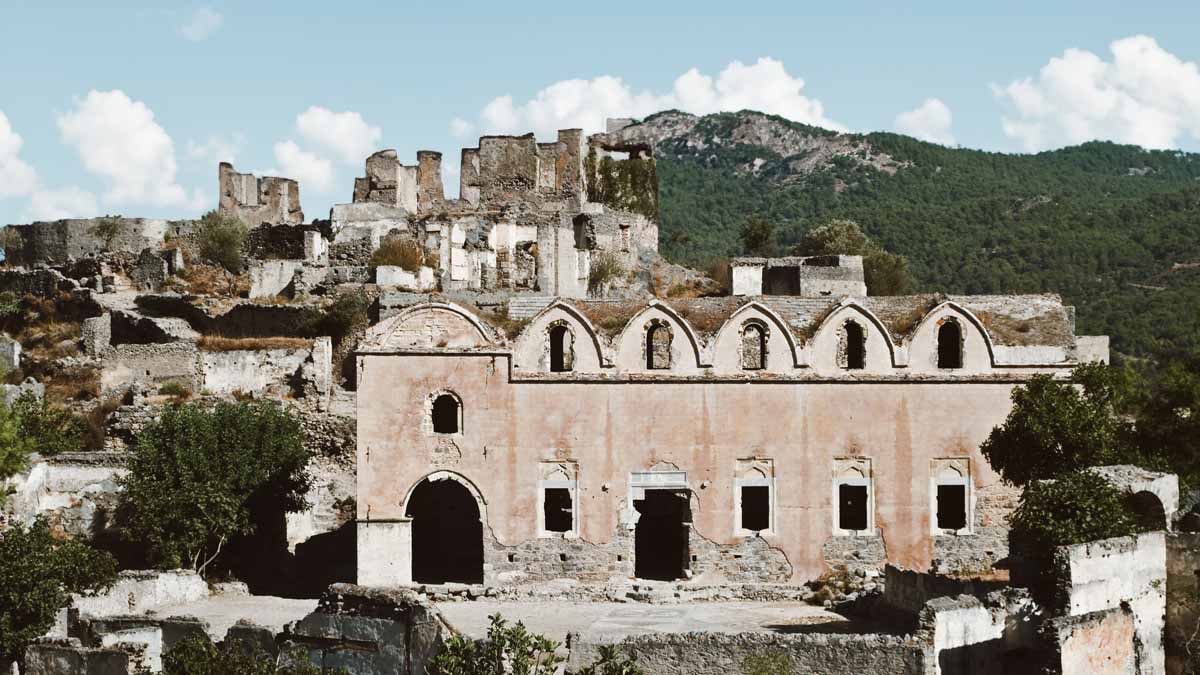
(1114, 229)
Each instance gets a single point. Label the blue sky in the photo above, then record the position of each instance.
(127, 108)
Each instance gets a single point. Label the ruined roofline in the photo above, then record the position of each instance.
(850, 261)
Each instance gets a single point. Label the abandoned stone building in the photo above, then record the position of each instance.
(754, 437)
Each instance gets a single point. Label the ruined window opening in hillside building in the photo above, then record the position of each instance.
(852, 487)
(951, 507)
(447, 533)
(562, 349)
(658, 346)
(557, 485)
(754, 347)
(753, 487)
(855, 352)
(447, 414)
(949, 345)
(585, 232)
(1147, 510)
(951, 491)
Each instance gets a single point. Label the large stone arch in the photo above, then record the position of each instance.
(530, 343)
(723, 351)
(431, 325)
(822, 348)
(922, 341)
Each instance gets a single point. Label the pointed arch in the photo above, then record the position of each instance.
(967, 316)
(736, 319)
(685, 329)
(834, 320)
(531, 330)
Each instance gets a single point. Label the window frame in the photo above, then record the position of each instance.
(763, 337)
(942, 473)
(432, 406)
(853, 471)
(569, 484)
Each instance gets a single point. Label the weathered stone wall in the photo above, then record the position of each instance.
(57, 241)
(71, 491)
(987, 543)
(1183, 602)
(298, 373)
(151, 364)
(1096, 643)
(368, 631)
(68, 656)
(724, 653)
(255, 200)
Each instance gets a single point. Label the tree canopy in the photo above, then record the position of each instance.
(197, 478)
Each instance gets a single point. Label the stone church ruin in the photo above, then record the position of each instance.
(531, 403)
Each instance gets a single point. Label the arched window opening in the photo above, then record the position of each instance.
(658, 347)
(949, 345)
(447, 414)
(1147, 511)
(562, 350)
(754, 347)
(856, 346)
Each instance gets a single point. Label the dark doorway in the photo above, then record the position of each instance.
(661, 537)
(951, 507)
(447, 543)
(949, 339)
(852, 507)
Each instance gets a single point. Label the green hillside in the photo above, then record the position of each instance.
(1115, 229)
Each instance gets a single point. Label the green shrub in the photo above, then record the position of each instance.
(176, 389)
(47, 428)
(885, 273)
(605, 267)
(1075, 508)
(758, 236)
(348, 311)
(200, 477)
(403, 253)
(220, 238)
(510, 649)
(38, 572)
(197, 655)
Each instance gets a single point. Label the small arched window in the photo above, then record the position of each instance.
(855, 346)
(754, 347)
(658, 346)
(562, 349)
(949, 345)
(447, 414)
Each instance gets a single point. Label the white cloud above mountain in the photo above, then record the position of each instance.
(931, 121)
(1144, 95)
(764, 85)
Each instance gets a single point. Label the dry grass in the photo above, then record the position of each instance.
(76, 383)
(97, 419)
(500, 319)
(403, 253)
(217, 343)
(708, 315)
(1045, 329)
(201, 279)
(610, 318)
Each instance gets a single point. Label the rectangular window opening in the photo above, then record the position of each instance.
(852, 507)
(558, 510)
(756, 508)
(951, 507)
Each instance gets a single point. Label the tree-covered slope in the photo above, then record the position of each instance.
(1113, 228)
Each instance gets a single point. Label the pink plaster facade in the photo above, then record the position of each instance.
(609, 419)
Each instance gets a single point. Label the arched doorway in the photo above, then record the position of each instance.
(447, 535)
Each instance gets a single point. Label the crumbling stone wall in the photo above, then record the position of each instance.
(987, 543)
(255, 200)
(1096, 643)
(725, 653)
(1182, 636)
(59, 241)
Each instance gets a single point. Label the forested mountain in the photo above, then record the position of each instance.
(1113, 228)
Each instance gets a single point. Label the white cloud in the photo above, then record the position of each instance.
(1145, 95)
(118, 139)
(311, 170)
(203, 23)
(345, 133)
(16, 177)
(68, 202)
(217, 149)
(460, 127)
(931, 121)
(764, 85)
